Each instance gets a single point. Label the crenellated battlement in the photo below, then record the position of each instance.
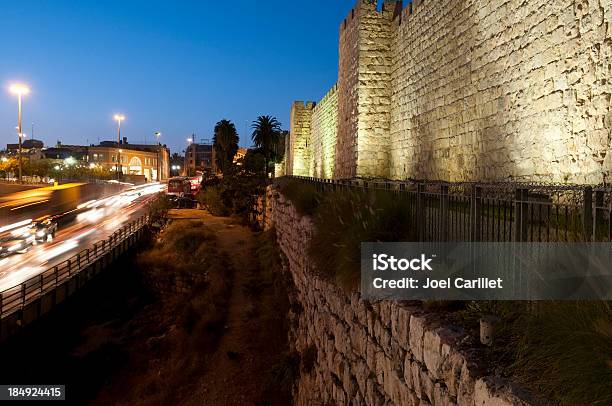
(330, 93)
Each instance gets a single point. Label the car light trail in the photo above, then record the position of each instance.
(16, 225)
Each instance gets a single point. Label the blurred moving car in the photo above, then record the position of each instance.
(44, 230)
(16, 244)
(21, 239)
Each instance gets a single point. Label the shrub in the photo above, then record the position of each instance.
(345, 219)
(564, 351)
(212, 199)
(304, 196)
(158, 208)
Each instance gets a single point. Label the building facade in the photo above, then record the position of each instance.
(198, 158)
(150, 161)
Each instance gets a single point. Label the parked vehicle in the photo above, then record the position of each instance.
(176, 186)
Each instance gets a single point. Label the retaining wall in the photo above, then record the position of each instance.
(374, 353)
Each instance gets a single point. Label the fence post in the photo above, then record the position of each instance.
(444, 213)
(420, 212)
(521, 208)
(587, 219)
(476, 213)
(598, 219)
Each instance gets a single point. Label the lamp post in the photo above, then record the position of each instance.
(158, 135)
(20, 91)
(119, 118)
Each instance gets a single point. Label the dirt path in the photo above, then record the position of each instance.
(238, 372)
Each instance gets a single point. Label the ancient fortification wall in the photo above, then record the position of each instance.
(476, 90)
(298, 159)
(324, 132)
(357, 352)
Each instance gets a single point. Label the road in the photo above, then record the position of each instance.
(95, 221)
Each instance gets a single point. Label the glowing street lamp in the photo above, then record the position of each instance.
(119, 118)
(19, 90)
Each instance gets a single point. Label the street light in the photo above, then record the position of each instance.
(158, 135)
(119, 118)
(19, 90)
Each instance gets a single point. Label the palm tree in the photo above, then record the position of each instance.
(225, 144)
(266, 136)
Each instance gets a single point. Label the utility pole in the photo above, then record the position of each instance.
(158, 135)
(19, 90)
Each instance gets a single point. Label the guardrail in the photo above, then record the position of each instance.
(505, 211)
(19, 296)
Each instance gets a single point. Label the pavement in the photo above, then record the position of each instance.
(95, 221)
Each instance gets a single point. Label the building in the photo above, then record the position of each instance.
(26, 146)
(62, 152)
(198, 158)
(31, 149)
(240, 155)
(150, 161)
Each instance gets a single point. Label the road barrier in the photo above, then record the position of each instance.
(36, 296)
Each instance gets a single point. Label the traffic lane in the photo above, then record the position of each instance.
(86, 229)
(9, 188)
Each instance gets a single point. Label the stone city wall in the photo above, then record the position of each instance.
(372, 353)
(324, 131)
(298, 159)
(476, 90)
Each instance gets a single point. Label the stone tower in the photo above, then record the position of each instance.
(364, 90)
(298, 161)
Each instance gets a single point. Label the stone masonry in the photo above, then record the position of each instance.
(323, 135)
(298, 159)
(385, 353)
(466, 90)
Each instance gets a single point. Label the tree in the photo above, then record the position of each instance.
(8, 166)
(225, 143)
(254, 163)
(266, 136)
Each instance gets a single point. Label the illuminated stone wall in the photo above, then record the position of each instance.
(502, 90)
(298, 160)
(324, 132)
(348, 79)
(474, 90)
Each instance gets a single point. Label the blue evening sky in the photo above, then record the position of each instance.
(172, 66)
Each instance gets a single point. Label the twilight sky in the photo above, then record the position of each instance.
(172, 66)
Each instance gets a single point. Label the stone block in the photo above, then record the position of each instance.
(417, 333)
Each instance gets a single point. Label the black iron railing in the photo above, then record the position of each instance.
(498, 212)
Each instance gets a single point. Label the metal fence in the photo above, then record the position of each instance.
(17, 297)
(495, 212)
